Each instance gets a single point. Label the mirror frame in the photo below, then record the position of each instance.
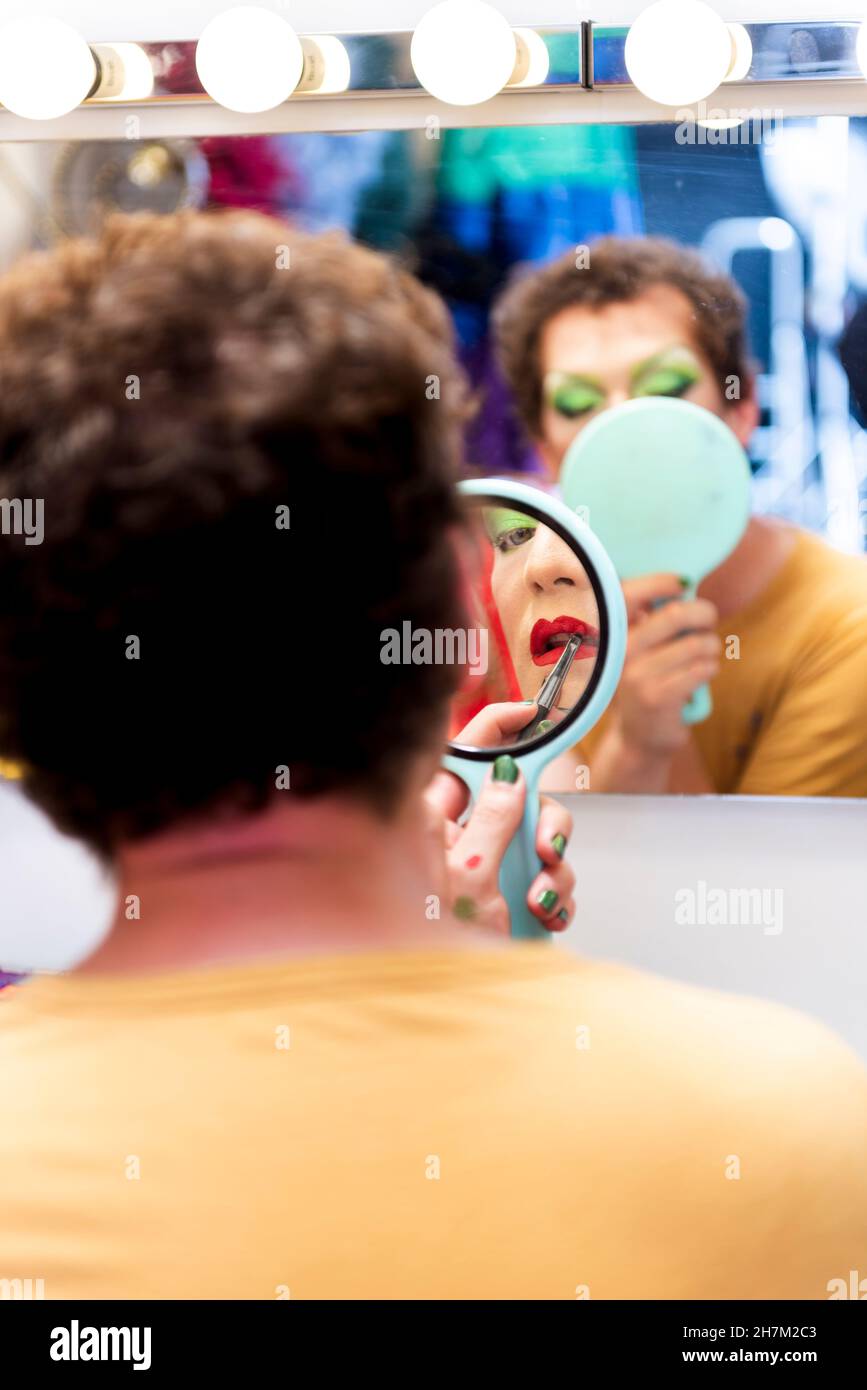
(806, 68)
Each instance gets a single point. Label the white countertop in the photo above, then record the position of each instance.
(632, 856)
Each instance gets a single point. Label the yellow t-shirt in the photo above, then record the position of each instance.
(790, 701)
(502, 1123)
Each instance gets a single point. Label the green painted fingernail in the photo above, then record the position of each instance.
(559, 843)
(505, 769)
(685, 583)
(464, 909)
(563, 915)
(544, 725)
(547, 900)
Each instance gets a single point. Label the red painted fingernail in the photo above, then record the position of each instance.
(473, 862)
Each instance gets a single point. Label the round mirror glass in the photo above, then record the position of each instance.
(540, 620)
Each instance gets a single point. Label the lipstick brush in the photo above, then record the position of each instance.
(552, 685)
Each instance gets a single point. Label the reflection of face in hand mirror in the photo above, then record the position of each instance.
(545, 602)
(534, 597)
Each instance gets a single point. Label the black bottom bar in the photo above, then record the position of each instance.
(162, 1338)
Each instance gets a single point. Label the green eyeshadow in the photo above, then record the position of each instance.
(670, 374)
(502, 519)
(572, 396)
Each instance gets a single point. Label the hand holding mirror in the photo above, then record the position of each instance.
(548, 601)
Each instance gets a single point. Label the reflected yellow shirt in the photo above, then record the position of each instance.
(502, 1123)
(790, 701)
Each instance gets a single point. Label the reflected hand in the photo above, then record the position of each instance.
(468, 857)
(671, 651)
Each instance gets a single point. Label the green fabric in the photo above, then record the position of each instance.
(475, 163)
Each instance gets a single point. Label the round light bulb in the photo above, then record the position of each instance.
(861, 48)
(46, 68)
(138, 82)
(534, 62)
(742, 58)
(126, 72)
(249, 59)
(463, 52)
(327, 68)
(678, 52)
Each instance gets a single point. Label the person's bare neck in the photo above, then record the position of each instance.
(763, 551)
(323, 877)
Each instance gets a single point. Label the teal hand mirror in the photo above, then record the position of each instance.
(665, 485)
(549, 622)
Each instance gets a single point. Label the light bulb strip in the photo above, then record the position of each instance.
(356, 65)
(559, 59)
(781, 52)
(587, 56)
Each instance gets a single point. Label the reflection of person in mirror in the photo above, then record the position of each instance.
(543, 596)
(780, 628)
(303, 1038)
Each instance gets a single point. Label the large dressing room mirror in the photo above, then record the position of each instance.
(722, 264)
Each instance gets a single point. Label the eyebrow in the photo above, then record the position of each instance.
(574, 376)
(658, 358)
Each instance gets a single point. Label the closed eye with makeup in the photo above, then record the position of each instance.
(673, 372)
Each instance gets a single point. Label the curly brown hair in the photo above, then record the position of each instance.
(166, 389)
(619, 271)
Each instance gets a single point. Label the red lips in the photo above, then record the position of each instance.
(546, 652)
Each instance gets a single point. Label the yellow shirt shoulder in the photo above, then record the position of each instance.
(506, 1123)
